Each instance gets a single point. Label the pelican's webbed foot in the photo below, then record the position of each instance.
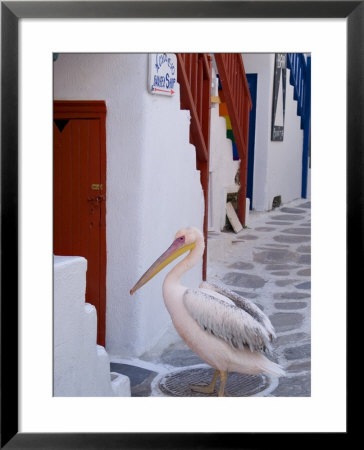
(201, 389)
(210, 388)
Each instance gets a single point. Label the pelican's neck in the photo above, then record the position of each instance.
(193, 257)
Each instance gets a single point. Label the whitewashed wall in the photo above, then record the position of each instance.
(285, 158)
(153, 188)
(277, 165)
(308, 194)
(81, 368)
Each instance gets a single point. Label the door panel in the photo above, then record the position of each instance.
(253, 84)
(79, 204)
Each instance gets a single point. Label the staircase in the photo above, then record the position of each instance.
(237, 98)
(81, 368)
(300, 79)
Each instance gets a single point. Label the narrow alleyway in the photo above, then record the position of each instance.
(268, 263)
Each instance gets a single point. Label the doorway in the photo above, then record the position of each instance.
(252, 83)
(79, 194)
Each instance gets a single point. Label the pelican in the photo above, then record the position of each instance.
(225, 330)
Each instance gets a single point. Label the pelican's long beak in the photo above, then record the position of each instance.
(174, 251)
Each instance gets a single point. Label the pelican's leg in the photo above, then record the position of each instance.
(223, 378)
(209, 389)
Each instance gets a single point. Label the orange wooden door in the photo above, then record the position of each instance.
(79, 197)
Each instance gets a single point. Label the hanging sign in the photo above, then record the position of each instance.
(279, 97)
(162, 73)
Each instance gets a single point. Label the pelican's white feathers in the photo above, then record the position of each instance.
(242, 303)
(229, 316)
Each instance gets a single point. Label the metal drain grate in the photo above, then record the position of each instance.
(177, 384)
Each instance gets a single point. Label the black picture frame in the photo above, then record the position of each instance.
(11, 13)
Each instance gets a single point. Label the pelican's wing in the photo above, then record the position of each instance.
(244, 304)
(226, 321)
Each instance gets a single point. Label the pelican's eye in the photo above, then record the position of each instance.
(181, 239)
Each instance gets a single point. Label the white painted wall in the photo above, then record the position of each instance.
(153, 188)
(263, 65)
(285, 158)
(81, 368)
(277, 165)
(308, 194)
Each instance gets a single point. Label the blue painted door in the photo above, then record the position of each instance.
(252, 82)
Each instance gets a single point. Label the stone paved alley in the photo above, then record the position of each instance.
(268, 263)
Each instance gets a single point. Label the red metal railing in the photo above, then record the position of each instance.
(194, 77)
(236, 92)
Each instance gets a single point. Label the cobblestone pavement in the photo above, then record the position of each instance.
(268, 263)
